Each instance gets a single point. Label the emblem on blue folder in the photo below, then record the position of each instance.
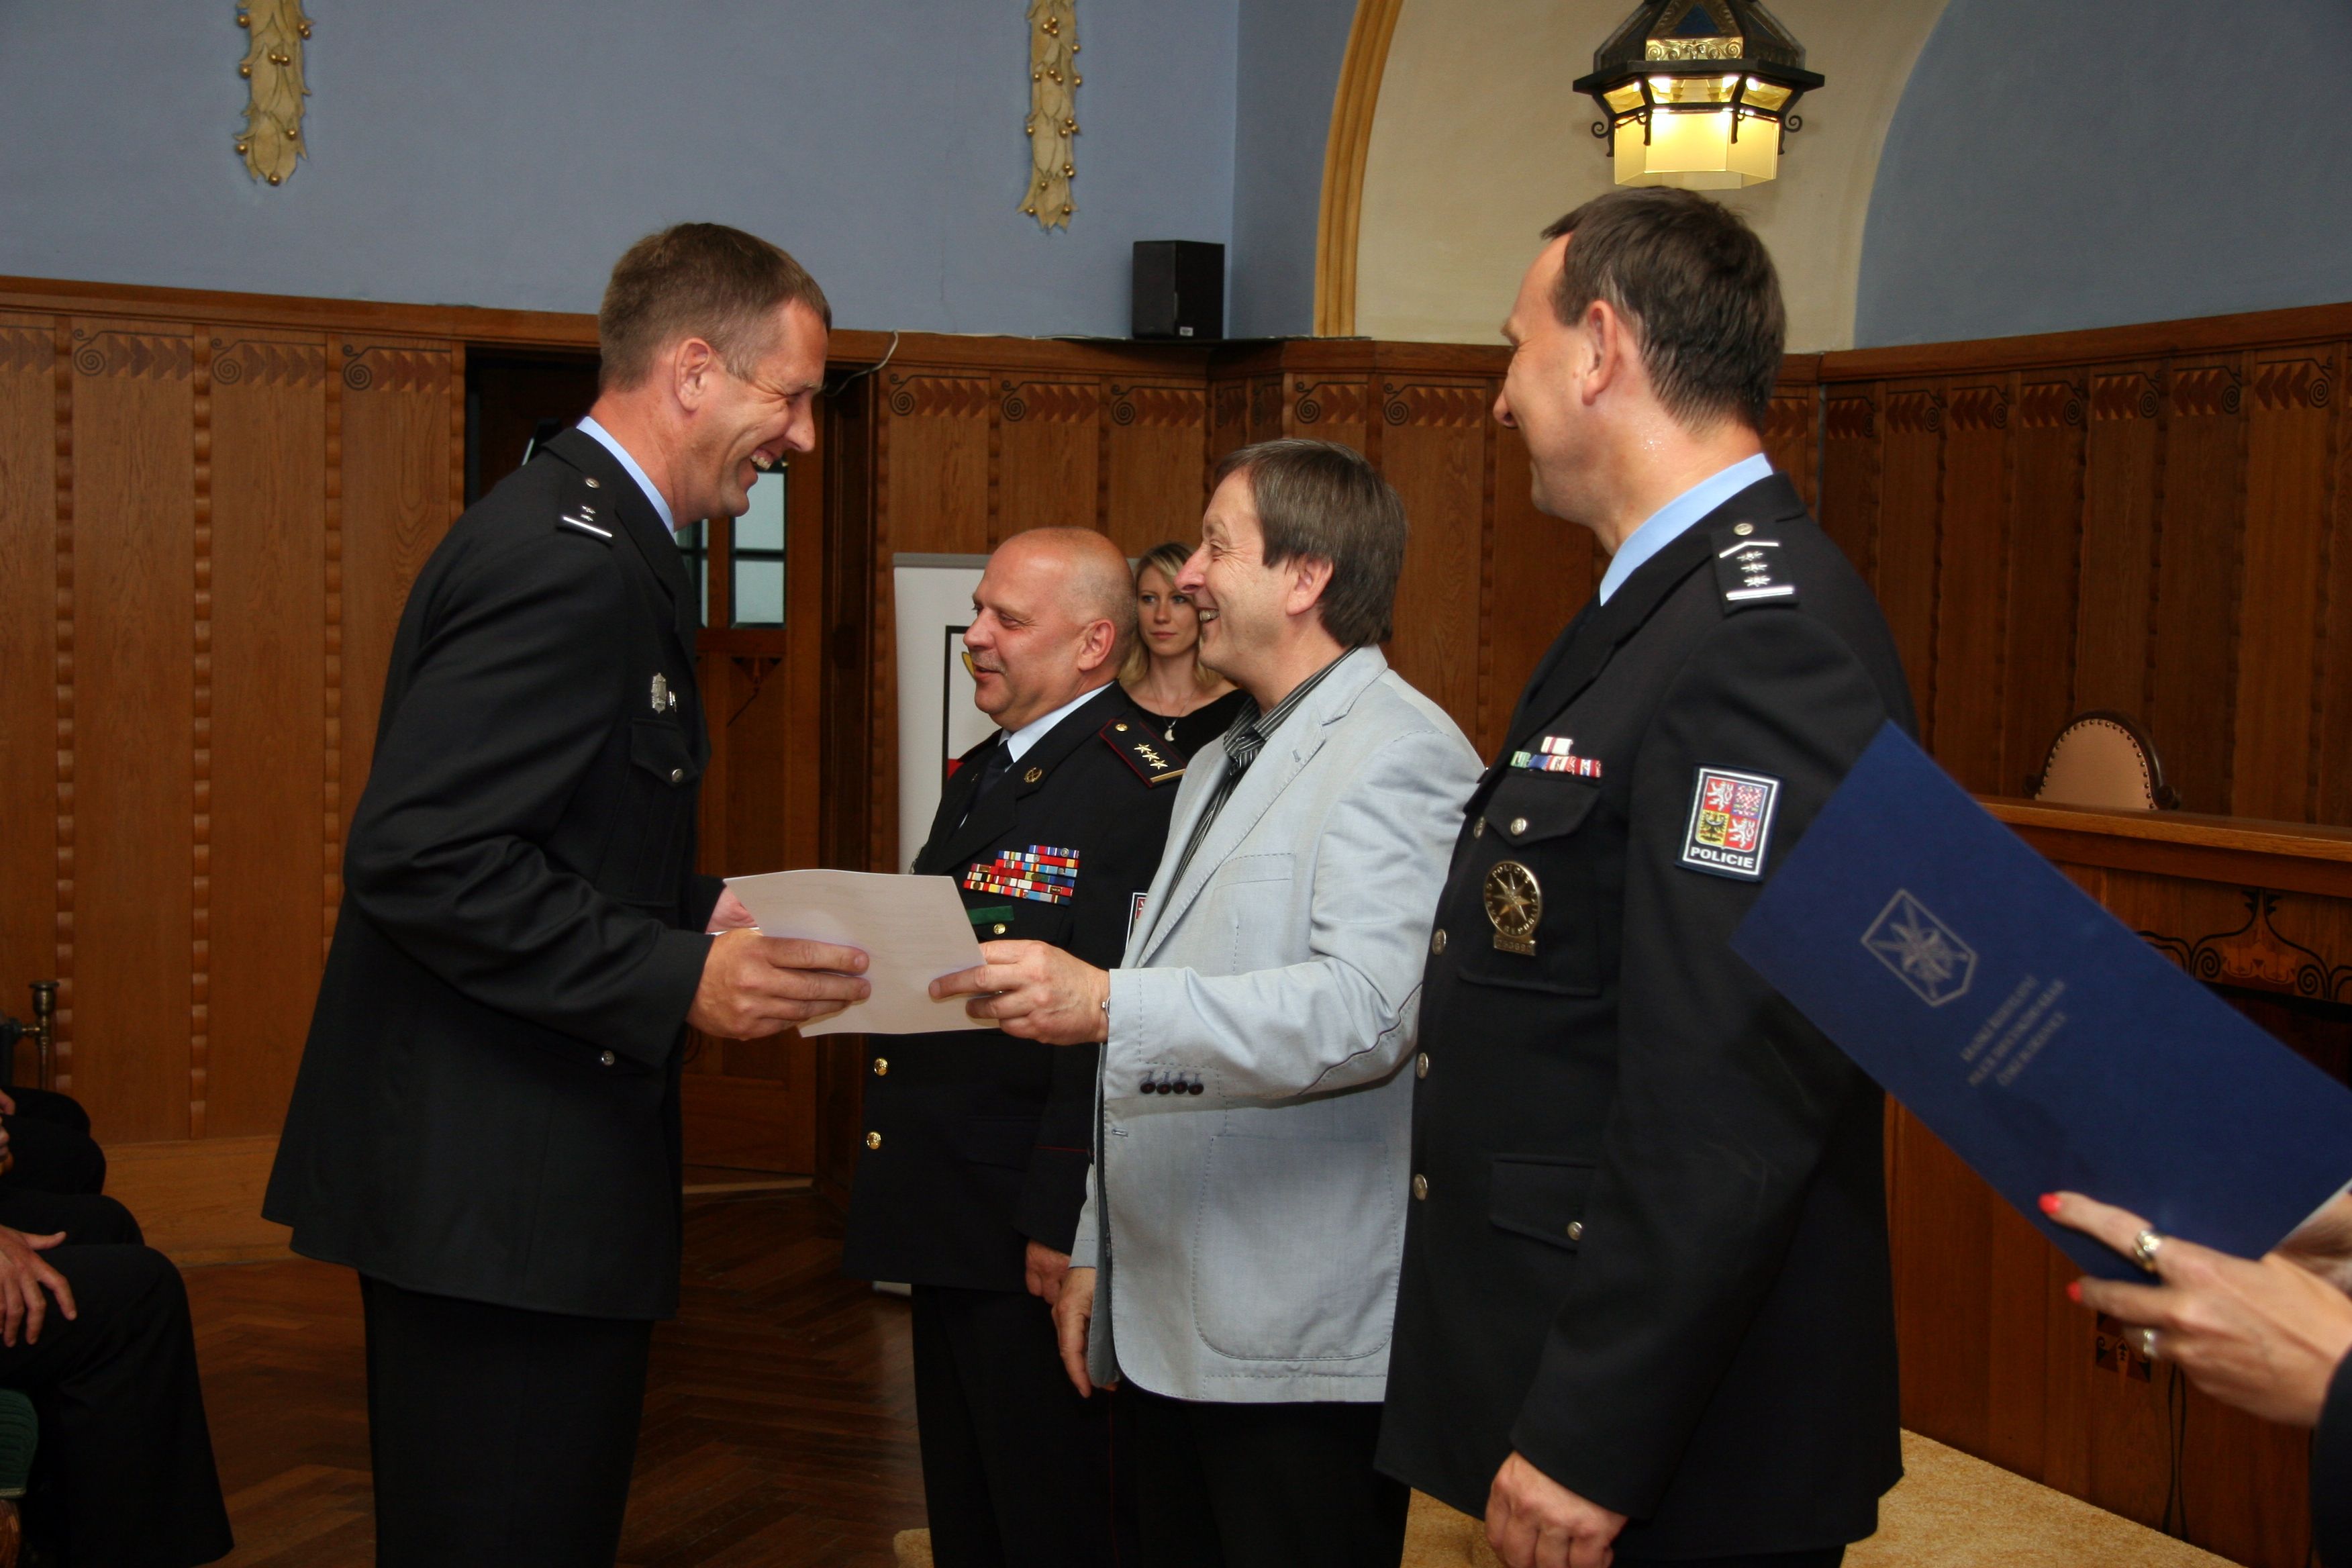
(1923, 951)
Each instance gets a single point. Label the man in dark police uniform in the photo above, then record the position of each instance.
(977, 1145)
(486, 1123)
(1645, 1302)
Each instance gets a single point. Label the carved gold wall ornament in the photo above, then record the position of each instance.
(1053, 122)
(272, 142)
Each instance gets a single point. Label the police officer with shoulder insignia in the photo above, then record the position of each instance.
(1645, 1306)
(977, 1145)
(486, 1121)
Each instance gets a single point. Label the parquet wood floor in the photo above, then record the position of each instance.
(780, 1413)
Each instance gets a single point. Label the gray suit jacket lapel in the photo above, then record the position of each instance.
(1286, 753)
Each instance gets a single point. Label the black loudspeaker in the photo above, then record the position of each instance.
(1179, 289)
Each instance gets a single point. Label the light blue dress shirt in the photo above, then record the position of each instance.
(605, 438)
(1018, 741)
(1674, 519)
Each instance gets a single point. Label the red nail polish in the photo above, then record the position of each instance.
(2049, 1203)
(2074, 1291)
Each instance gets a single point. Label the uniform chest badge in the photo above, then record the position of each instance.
(1557, 754)
(1514, 905)
(664, 697)
(1041, 872)
(1730, 823)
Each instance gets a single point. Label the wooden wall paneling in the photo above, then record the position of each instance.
(1158, 442)
(1938, 1212)
(1971, 587)
(2017, 1335)
(29, 632)
(2123, 465)
(2200, 520)
(1793, 439)
(1849, 478)
(1433, 450)
(266, 719)
(2044, 566)
(2332, 760)
(1049, 455)
(1543, 571)
(1910, 531)
(397, 453)
(2282, 626)
(134, 695)
(1330, 406)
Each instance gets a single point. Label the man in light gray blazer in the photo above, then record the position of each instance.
(1237, 1257)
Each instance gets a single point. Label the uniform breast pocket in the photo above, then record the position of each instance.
(1540, 1198)
(648, 856)
(1538, 925)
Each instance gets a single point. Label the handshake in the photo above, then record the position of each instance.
(754, 986)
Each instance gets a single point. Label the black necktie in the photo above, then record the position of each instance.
(999, 763)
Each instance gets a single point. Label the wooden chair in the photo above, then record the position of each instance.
(2106, 760)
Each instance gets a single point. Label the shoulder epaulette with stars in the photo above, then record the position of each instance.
(1154, 760)
(584, 510)
(1747, 569)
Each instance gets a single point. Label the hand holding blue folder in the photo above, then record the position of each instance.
(2031, 1030)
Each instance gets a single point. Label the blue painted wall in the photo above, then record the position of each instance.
(1290, 55)
(500, 152)
(2067, 164)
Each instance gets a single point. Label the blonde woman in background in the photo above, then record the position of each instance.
(1191, 704)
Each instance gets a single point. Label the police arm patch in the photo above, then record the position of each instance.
(1730, 823)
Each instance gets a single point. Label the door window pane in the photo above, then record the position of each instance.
(757, 555)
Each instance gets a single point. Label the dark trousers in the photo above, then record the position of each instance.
(124, 1477)
(49, 1140)
(1263, 1485)
(88, 1220)
(1017, 1469)
(501, 1438)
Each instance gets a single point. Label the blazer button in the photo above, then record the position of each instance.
(1420, 1187)
(608, 1059)
(676, 775)
(997, 928)
(874, 1140)
(1437, 940)
(1576, 1230)
(1478, 828)
(1421, 1065)
(1519, 825)
(881, 1067)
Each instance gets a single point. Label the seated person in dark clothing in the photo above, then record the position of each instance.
(48, 1138)
(99, 1336)
(79, 1211)
(1189, 703)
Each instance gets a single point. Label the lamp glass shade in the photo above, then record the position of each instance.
(1696, 151)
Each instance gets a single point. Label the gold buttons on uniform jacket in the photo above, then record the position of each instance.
(1420, 1187)
(997, 928)
(1743, 529)
(881, 1067)
(1421, 1065)
(874, 1140)
(595, 484)
(1033, 776)
(1437, 940)
(1478, 828)
(1519, 825)
(676, 775)
(1576, 1230)
(607, 1059)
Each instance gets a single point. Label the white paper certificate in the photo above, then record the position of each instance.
(912, 930)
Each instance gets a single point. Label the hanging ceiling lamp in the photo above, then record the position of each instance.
(1698, 93)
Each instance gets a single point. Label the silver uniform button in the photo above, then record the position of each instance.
(676, 775)
(607, 1059)
(1478, 828)
(1743, 529)
(1437, 940)
(1420, 1187)
(1421, 1065)
(595, 484)
(1519, 825)
(1576, 1230)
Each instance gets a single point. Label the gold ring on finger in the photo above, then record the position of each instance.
(2143, 1248)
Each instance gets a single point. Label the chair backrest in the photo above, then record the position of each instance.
(2103, 759)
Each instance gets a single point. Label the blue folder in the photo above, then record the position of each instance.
(2031, 1030)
